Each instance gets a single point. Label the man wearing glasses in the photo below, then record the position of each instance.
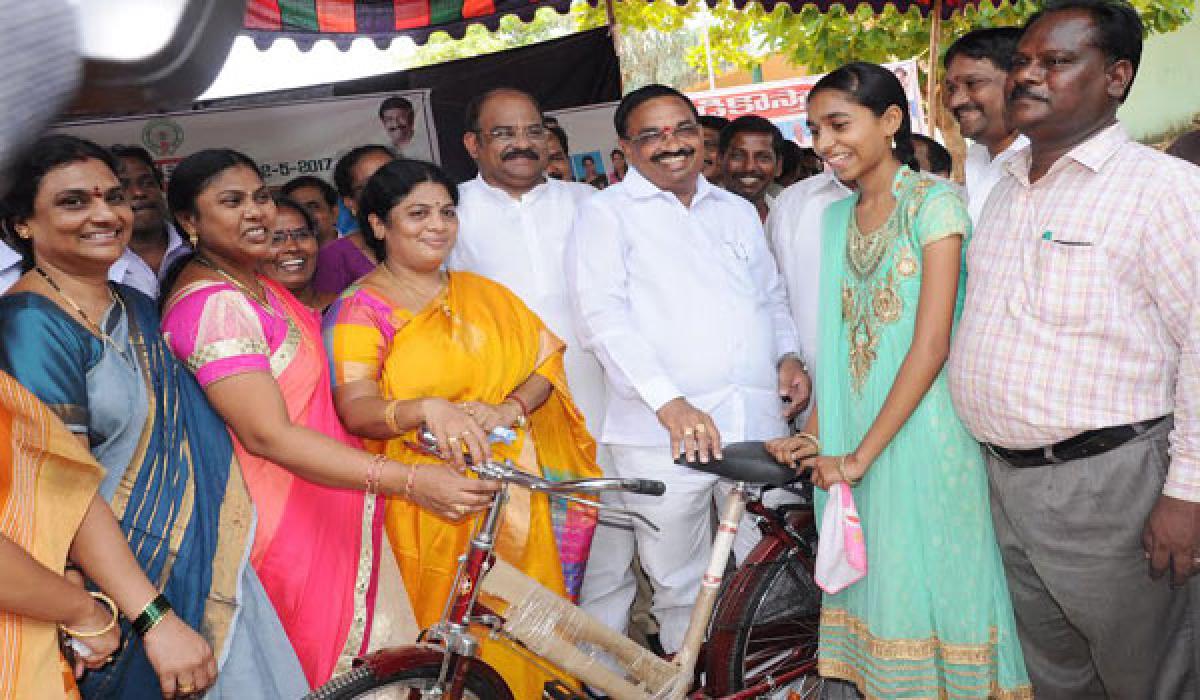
(675, 291)
(514, 222)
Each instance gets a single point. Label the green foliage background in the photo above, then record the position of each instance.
(663, 42)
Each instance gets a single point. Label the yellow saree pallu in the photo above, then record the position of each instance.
(476, 342)
(47, 482)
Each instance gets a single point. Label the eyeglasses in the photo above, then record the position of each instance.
(657, 137)
(508, 134)
(298, 235)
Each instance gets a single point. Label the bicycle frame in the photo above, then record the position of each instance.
(550, 628)
(782, 538)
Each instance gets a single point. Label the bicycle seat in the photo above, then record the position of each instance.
(745, 461)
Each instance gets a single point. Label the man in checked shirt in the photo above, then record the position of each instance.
(1077, 363)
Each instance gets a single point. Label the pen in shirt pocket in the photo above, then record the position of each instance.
(1049, 236)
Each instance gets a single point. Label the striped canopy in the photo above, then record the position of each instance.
(344, 20)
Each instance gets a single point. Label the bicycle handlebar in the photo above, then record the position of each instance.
(507, 473)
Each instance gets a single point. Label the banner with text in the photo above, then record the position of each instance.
(593, 141)
(783, 101)
(286, 140)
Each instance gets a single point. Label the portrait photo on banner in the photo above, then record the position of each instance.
(286, 139)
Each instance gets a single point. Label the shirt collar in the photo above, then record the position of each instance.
(1091, 154)
(501, 195)
(979, 152)
(825, 180)
(8, 257)
(116, 273)
(174, 240)
(641, 188)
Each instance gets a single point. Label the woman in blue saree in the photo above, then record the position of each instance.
(93, 354)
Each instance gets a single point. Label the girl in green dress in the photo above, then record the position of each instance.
(932, 618)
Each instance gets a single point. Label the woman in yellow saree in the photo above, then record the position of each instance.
(411, 345)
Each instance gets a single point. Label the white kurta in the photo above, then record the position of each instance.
(794, 234)
(520, 243)
(676, 301)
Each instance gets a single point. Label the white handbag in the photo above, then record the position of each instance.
(841, 551)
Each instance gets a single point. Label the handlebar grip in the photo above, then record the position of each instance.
(645, 487)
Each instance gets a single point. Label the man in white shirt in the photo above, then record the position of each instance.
(794, 234)
(676, 292)
(514, 223)
(976, 67)
(155, 245)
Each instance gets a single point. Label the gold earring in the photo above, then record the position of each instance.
(23, 232)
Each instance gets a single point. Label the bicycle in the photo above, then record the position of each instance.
(761, 625)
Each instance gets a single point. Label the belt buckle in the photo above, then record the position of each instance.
(1051, 458)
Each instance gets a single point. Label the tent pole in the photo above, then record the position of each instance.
(614, 34)
(931, 76)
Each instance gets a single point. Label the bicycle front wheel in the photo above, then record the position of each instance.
(765, 626)
(409, 684)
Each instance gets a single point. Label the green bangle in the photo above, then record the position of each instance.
(151, 615)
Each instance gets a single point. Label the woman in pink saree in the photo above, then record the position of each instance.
(319, 547)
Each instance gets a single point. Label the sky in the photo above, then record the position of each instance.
(248, 70)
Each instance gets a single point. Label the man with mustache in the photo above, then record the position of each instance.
(751, 157)
(976, 68)
(399, 119)
(514, 223)
(675, 291)
(155, 244)
(1077, 363)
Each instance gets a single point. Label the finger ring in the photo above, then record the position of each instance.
(187, 688)
(687, 432)
(453, 439)
(460, 508)
(700, 428)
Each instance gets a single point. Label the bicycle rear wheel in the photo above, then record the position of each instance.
(766, 625)
(408, 684)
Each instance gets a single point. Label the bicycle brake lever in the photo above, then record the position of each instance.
(612, 509)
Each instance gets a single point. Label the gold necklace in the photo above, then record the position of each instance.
(408, 285)
(260, 300)
(94, 327)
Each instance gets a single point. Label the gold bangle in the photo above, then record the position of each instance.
(522, 411)
(812, 439)
(389, 417)
(841, 467)
(112, 608)
(408, 485)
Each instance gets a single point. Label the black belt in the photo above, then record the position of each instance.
(1087, 444)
